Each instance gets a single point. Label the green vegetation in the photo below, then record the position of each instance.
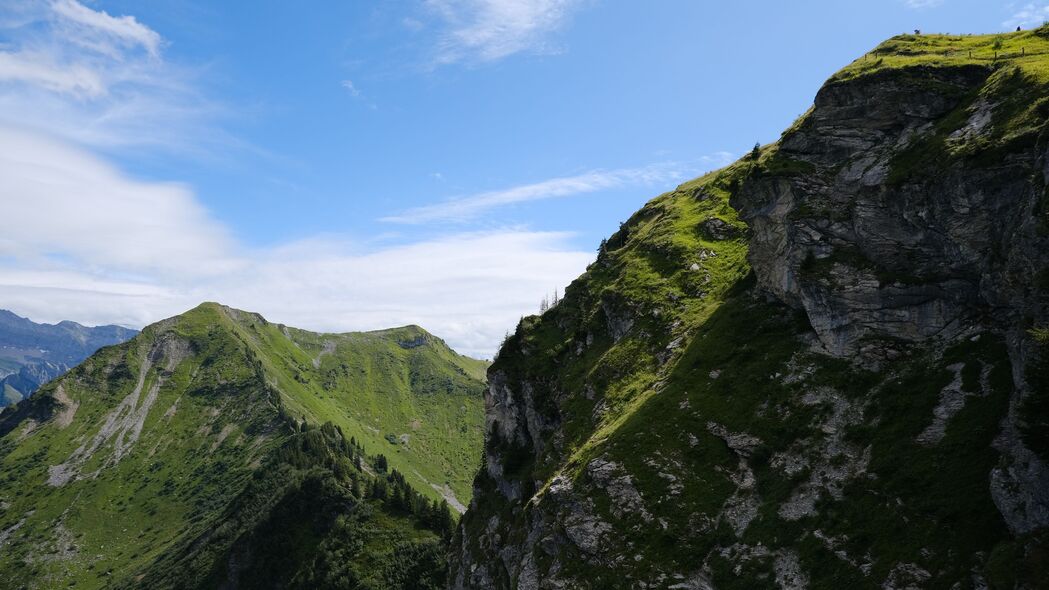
(1012, 103)
(658, 270)
(663, 350)
(401, 381)
(312, 519)
(150, 448)
(1016, 112)
(1025, 49)
(733, 443)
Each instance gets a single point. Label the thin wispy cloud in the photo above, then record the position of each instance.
(350, 87)
(100, 29)
(490, 30)
(39, 69)
(919, 4)
(116, 250)
(97, 79)
(469, 208)
(356, 93)
(1028, 15)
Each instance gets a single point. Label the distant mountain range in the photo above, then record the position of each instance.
(32, 354)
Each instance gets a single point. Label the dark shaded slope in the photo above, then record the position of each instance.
(311, 519)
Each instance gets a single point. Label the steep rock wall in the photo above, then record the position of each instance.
(841, 394)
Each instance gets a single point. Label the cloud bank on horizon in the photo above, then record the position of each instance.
(115, 250)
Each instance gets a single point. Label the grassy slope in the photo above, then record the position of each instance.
(311, 519)
(731, 368)
(178, 471)
(372, 386)
(216, 418)
(1028, 50)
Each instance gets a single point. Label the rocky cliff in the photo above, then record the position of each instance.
(823, 366)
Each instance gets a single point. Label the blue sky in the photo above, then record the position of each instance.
(355, 165)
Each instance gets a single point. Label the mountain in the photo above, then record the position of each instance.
(216, 449)
(32, 354)
(824, 366)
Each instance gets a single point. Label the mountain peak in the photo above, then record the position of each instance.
(409, 336)
(200, 408)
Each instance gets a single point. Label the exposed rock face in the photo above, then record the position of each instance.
(876, 257)
(907, 258)
(123, 425)
(671, 425)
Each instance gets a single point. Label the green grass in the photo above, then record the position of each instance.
(666, 270)
(216, 422)
(127, 513)
(311, 519)
(1028, 50)
(9, 395)
(372, 386)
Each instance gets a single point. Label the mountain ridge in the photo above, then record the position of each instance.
(816, 367)
(172, 456)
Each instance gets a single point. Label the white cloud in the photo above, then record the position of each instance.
(489, 30)
(95, 246)
(96, 79)
(39, 69)
(355, 92)
(467, 208)
(88, 208)
(467, 288)
(124, 30)
(1028, 15)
